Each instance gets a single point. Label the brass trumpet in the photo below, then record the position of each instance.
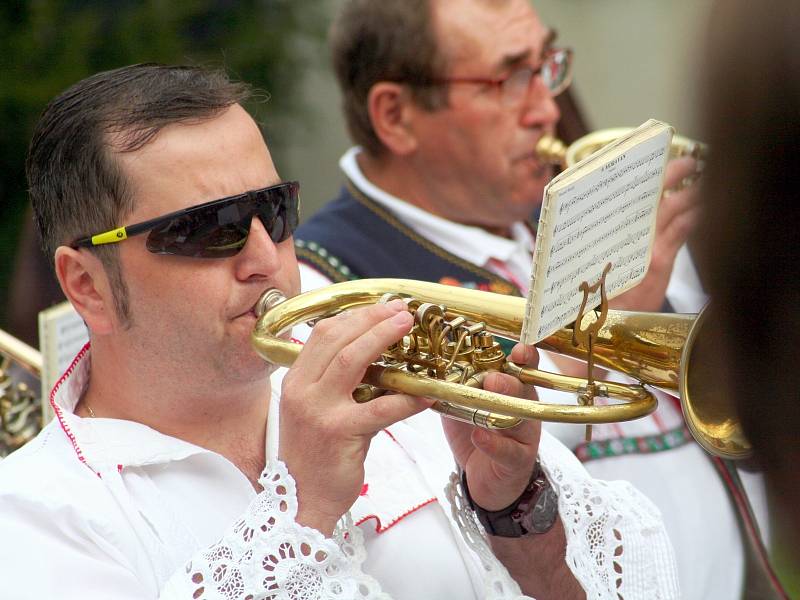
(554, 151)
(451, 347)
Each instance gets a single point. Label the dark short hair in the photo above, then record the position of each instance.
(76, 185)
(383, 40)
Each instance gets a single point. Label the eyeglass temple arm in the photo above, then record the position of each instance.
(117, 235)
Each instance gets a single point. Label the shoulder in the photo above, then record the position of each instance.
(48, 473)
(56, 509)
(53, 503)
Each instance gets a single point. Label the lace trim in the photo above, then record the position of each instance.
(617, 546)
(267, 555)
(498, 584)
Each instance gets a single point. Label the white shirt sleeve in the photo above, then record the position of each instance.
(264, 554)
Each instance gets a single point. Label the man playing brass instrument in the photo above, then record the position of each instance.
(447, 101)
(167, 471)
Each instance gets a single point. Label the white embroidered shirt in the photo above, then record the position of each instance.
(105, 508)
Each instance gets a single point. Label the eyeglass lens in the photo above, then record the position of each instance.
(554, 71)
(220, 231)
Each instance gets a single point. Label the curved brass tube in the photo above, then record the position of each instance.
(20, 352)
(554, 151)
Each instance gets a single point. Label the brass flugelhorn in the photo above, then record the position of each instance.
(554, 151)
(452, 347)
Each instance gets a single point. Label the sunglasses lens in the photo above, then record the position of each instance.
(219, 229)
(279, 213)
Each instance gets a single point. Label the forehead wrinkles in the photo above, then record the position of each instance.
(486, 31)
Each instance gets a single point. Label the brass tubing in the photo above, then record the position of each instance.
(553, 151)
(394, 379)
(565, 383)
(22, 353)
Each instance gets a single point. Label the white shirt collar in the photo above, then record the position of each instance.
(112, 445)
(103, 443)
(469, 243)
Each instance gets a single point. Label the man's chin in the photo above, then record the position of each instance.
(251, 369)
(525, 208)
(240, 363)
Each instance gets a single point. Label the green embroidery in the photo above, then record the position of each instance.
(634, 445)
(330, 265)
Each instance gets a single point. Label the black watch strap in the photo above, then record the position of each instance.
(535, 511)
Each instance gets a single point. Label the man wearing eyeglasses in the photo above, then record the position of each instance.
(179, 465)
(447, 101)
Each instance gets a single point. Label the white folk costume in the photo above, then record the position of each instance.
(106, 508)
(366, 232)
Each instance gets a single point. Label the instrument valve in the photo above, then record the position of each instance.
(483, 340)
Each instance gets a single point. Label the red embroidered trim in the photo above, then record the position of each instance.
(502, 270)
(676, 402)
(389, 433)
(379, 527)
(742, 505)
(57, 409)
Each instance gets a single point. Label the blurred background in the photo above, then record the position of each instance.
(633, 61)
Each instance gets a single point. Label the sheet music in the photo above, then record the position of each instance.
(62, 334)
(606, 215)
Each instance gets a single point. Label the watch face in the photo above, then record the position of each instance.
(544, 512)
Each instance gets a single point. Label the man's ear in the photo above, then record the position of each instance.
(85, 284)
(391, 110)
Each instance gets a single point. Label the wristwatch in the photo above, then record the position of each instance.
(535, 511)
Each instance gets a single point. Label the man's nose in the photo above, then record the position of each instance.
(539, 108)
(259, 257)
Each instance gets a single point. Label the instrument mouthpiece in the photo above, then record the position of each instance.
(270, 298)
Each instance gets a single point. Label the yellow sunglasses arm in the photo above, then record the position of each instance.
(109, 237)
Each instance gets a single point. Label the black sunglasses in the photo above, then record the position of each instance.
(215, 229)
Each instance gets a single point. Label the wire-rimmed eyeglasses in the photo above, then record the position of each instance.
(555, 71)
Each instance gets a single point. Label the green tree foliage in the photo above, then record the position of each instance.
(47, 45)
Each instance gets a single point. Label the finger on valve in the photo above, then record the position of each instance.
(331, 335)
